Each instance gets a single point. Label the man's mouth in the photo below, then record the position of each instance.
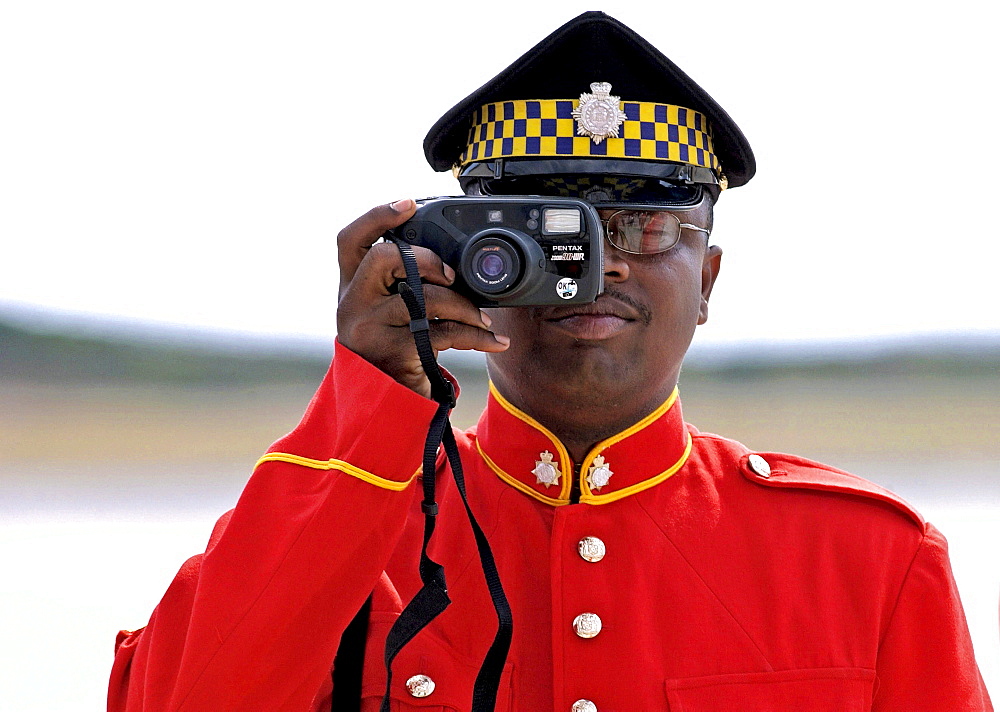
(602, 319)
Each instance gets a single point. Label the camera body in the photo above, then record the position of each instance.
(514, 251)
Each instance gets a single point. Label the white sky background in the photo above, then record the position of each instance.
(192, 162)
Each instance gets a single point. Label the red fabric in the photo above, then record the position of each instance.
(721, 590)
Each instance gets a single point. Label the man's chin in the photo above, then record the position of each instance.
(563, 364)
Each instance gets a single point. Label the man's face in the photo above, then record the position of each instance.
(625, 350)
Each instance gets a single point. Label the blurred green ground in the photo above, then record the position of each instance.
(831, 418)
(71, 397)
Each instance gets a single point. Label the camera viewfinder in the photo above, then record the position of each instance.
(561, 221)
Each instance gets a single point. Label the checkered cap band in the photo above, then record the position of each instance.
(546, 128)
(617, 188)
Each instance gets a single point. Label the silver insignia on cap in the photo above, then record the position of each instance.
(598, 115)
(545, 470)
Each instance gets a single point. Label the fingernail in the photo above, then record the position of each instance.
(401, 206)
(485, 318)
(505, 340)
(449, 273)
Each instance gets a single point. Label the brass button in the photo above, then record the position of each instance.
(759, 465)
(591, 549)
(583, 706)
(420, 685)
(587, 625)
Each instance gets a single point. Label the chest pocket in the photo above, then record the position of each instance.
(446, 679)
(813, 690)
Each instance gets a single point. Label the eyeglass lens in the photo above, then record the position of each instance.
(642, 231)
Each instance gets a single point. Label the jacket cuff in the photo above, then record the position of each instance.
(361, 422)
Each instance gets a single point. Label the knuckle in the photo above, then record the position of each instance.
(344, 236)
(383, 255)
(382, 250)
(448, 329)
(443, 334)
(425, 255)
(373, 221)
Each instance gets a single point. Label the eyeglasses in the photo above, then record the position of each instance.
(645, 232)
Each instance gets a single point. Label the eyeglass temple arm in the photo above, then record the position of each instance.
(689, 226)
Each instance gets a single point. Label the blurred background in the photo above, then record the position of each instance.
(173, 178)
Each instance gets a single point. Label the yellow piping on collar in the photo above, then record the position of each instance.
(617, 438)
(332, 464)
(586, 495)
(638, 487)
(516, 483)
(565, 461)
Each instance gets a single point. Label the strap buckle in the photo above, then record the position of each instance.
(443, 391)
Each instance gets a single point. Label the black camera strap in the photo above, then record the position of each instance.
(431, 600)
(348, 665)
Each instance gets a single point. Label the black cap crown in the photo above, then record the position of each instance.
(596, 48)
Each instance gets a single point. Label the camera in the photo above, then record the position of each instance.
(513, 251)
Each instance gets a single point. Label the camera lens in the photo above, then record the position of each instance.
(492, 264)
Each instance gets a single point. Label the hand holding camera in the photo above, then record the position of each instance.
(372, 320)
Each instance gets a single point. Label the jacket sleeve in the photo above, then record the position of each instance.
(255, 621)
(925, 660)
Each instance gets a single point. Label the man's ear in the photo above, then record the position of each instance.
(709, 273)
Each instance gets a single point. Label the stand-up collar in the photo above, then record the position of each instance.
(526, 455)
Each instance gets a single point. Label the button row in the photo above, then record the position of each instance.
(588, 625)
(592, 549)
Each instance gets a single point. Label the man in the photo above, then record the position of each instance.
(648, 566)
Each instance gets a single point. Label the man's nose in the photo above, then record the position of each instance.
(616, 266)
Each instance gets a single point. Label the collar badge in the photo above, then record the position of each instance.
(598, 115)
(545, 470)
(600, 473)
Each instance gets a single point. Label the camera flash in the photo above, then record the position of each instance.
(561, 221)
(495, 216)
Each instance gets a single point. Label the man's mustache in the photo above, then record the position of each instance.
(645, 314)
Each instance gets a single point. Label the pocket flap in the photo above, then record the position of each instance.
(810, 690)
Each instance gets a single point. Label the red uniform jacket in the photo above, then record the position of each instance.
(722, 585)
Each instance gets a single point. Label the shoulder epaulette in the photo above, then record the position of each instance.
(780, 470)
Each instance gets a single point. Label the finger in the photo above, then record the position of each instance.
(383, 266)
(440, 304)
(456, 323)
(454, 335)
(368, 322)
(354, 241)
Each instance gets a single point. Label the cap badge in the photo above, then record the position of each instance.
(598, 115)
(600, 473)
(545, 470)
